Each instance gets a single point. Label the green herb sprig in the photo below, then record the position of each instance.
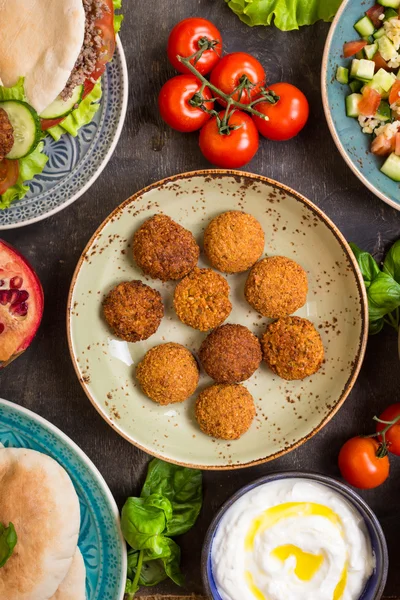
(168, 506)
(8, 541)
(383, 287)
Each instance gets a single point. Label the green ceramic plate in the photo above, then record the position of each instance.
(288, 413)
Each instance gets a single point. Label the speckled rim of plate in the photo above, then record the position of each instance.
(69, 443)
(346, 248)
(106, 158)
(328, 115)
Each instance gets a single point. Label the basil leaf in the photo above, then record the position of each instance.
(170, 557)
(182, 487)
(142, 524)
(391, 264)
(376, 326)
(368, 266)
(8, 540)
(152, 573)
(383, 296)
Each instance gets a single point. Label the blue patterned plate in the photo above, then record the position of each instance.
(100, 540)
(75, 163)
(352, 143)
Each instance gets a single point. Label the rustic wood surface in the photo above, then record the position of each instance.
(44, 381)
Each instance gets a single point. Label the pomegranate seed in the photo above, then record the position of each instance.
(16, 282)
(23, 296)
(4, 297)
(2, 328)
(19, 309)
(13, 296)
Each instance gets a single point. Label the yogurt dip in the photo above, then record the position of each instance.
(291, 539)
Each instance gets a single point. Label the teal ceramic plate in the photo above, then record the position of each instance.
(100, 540)
(352, 143)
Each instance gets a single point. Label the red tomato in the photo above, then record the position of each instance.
(380, 62)
(9, 172)
(228, 73)
(393, 434)
(287, 117)
(360, 465)
(370, 102)
(184, 41)
(374, 13)
(48, 123)
(394, 97)
(106, 24)
(174, 106)
(229, 150)
(351, 48)
(88, 86)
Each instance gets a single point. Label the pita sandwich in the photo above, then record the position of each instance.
(73, 586)
(38, 497)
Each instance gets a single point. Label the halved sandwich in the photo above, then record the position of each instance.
(52, 56)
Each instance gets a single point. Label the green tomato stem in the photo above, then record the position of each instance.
(135, 582)
(218, 92)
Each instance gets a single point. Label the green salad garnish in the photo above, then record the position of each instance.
(8, 540)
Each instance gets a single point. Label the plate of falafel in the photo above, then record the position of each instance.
(217, 319)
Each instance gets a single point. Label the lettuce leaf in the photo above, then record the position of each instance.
(28, 167)
(284, 14)
(17, 92)
(80, 116)
(117, 18)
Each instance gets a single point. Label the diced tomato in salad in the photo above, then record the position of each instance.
(370, 102)
(397, 144)
(374, 13)
(394, 96)
(380, 62)
(351, 48)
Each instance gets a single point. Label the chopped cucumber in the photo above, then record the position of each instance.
(355, 63)
(360, 55)
(378, 34)
(390, 3)
(352, 102)
(355, 85)
(390, 13)
(383, 113)
(60, 108)
(26, 125)
(391, 167)
(384, 79)
(386, 48)
(371, 50)
(342, 75)
(365, 27)
(365, 70)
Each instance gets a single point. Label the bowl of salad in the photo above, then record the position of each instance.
(361, 92)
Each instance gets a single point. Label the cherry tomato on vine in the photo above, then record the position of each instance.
(230, 72)
(233, 149)
(9, 172)
(186, 38)
(287, 116)
(360, 465)
(174, 103)
(392, 435)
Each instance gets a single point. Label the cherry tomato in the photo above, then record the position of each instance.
(9, 173)
(174, 106)
(287, 116)
(374, 13)
(184, 41)
(370, 102)
(392, 434)
(351, 48)
(360, 465)
(229, 71)
(229, 150)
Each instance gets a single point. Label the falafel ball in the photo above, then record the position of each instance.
(230, 353)
(201, 299)
(233, 241)
(133, 310)
(168, 373)
(276, 287)
(292, 348)
(6, 134)
(225, 411)
(164, 249)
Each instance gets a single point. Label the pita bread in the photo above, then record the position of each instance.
(41, 41)
(73, 586)
(38, 497)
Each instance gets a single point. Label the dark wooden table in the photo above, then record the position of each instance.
(43, 379)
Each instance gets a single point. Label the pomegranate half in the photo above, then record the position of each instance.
(21, 304)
